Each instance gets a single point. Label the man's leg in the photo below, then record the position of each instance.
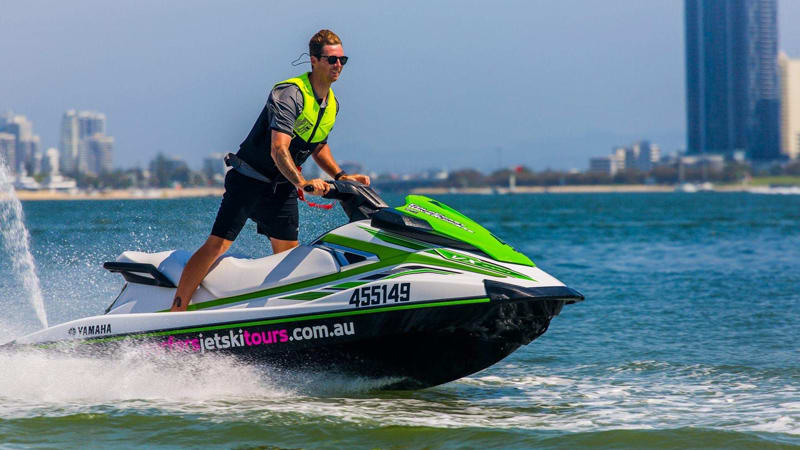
(197, 269)
(277, 218)
(279, 245)
(241, 195)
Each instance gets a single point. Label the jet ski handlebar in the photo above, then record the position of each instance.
(309, 188)
(358, 201)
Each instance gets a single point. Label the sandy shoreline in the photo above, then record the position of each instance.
(121, 194)
(588, 189)
(150, 194)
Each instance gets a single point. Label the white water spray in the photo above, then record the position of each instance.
(16, 240)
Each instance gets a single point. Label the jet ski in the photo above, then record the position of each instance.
(418, 294)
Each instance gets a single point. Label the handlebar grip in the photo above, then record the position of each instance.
(310, 188)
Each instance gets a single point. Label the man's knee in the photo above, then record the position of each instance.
(216, 245)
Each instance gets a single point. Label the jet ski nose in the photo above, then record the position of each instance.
(498, 291)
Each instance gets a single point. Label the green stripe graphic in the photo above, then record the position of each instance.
(396, 240)
(411, 272)
(313, 295)
(348, 284)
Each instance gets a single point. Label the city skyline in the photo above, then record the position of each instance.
(83, 146)
(192, 91)
(732, 88)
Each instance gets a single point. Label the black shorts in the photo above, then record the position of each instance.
(273, 207)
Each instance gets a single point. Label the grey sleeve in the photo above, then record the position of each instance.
(285, 104)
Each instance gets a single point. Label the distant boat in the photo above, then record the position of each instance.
(689, 188)
(706, 187)
(775, 190)
(26, 183)
(57, 182)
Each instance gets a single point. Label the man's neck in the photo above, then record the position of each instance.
(321, 87)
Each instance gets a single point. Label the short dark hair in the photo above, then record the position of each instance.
(321, 39)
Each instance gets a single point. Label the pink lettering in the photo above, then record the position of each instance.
(247, 338)
(186, 344)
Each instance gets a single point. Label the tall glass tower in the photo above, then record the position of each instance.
(732, 89)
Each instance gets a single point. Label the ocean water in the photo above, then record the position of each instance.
(689, 337)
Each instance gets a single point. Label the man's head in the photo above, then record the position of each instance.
(324, 47)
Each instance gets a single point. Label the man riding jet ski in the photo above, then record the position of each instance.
(417, 294)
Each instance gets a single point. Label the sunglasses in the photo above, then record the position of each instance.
(332, 59)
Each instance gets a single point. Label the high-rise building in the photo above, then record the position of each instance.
(618, 155)
(642, 155)
(69, 142)
(8, 150)
(99, 153)
(26, 151)
(790, 106)
(732, 96)
(17, 125)
(603, 164)
(91, 123)
(85, 148)
(29, 155)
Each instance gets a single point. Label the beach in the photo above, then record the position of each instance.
(121, 194)
(172, 193)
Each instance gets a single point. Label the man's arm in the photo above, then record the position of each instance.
(279, 150)
(324, 159)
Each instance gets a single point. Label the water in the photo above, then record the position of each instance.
(689, 337)
(15, 240)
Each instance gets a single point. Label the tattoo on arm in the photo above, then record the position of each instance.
(177, 302)
(286, 165)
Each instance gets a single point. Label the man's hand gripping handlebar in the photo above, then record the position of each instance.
(317, 186)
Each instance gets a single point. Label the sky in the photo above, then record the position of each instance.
(445, 84)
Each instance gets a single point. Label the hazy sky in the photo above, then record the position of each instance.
(545, 83)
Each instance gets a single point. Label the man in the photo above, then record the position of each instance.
(295, 123)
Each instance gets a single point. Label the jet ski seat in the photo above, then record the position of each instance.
(232, 275)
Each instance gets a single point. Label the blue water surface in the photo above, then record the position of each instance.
(689, 336)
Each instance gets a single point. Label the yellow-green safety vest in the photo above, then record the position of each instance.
(309, 126)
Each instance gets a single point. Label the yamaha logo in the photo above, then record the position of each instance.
(94, 330)
(90, 330)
